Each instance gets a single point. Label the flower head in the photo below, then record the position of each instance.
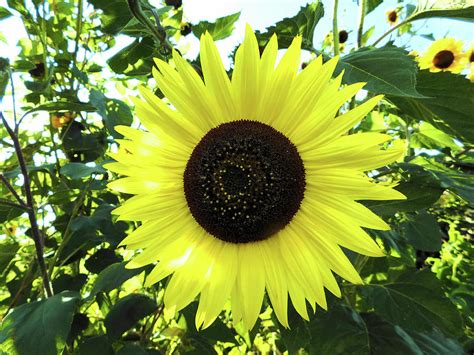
(444, 55)
(392, 16)
(249, 184)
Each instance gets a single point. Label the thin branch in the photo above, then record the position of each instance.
(12, 190)
(13, 100)
(335, 30)
(31, 208)
(360, 29)
(391, 30)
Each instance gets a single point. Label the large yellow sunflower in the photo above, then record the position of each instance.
(445, 54)
(249, 184)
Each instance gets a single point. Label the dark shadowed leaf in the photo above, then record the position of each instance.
(7, 253)
(423, 232)
(100, 260)
(96, 345)
(387, 70)
(112, 277)
(448, 103)
(298, 335)
(415, 301)
(132, 349)
(8, 213)
(341, 330)
(436, 343)
(39, 327)
(126, 312)
(64, 106)
(220, 29)
(302, 24)
(388, 339)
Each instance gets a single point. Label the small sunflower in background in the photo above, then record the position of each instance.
(59, 120)
(343, 36)
(445, 54)
(250, 184)
(392, 16)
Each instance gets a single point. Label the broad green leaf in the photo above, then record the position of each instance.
(134, 59)
(388, 339)
(40, 327)
(415, 301)
(64, 106)
(297, 336)
(80, 170)
(113, 231)
(126, 313)
(116, 14)
(303, 23)
(81, 146)
(220, 29)
(95, 345)
(447, 105)
(8, 251)
(423, 232)
(4, 13)
(436, 343)
(4, 75)
(456, 181)
(370, 5)
(8, 213)
(387, 70)
(132, 349)
(217, 331)
(428, 136)
(340, 330)
(66, 282)
(113, 111)
(456, 9)
(101, 259)
(112, 277)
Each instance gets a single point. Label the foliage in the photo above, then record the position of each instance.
(417, 300)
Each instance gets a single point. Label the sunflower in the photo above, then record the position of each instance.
(445, 54)
(249, 184)
(392, 17)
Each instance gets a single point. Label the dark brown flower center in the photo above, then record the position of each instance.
(244, 181)
(343, 36)
(392, 16)
(471, 57)
(443, 59)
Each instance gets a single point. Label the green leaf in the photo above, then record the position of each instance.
(96, 345)
(430, 137)
(387, 70)
(101, 259)
(126, 312)
(116, 14)
(370, 5)
(134, 59)
(455, 9)
(303, 23)
(112, 277)
(132, 349)
(447, 104)
(8, 213)
(456, 181)
(388, 339)
(8, 251)
(297, 336)
(39, 327)
(340, 330)
(64, 106)
(415, 301)
(217, 331)
(423, 232)
(79, 170)
(4, 13)
(113, 111)
(222, 28)
(436, 343)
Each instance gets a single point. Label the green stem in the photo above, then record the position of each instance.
(360, 29)
(391, 30)
(335, 31)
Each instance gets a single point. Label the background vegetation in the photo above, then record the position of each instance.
(63, 285)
